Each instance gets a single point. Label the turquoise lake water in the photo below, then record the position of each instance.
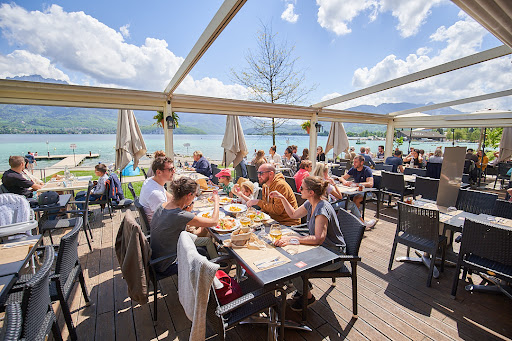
(210, 145)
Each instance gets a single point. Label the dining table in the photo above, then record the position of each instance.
(410, 179)
(350, 191)
(65, 186)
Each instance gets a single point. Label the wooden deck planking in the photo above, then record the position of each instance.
(393, 305)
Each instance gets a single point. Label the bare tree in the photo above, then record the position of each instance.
(271, 77)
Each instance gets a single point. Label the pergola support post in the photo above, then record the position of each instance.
(168, 133)
(313, 139)
(390, 134)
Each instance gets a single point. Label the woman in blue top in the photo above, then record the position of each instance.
(323, 225)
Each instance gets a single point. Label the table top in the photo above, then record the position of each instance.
(347, 190)
(14, 255)
(407, 178)
(191, 174)
(61, 186)
(496, 220)
(6, 283)
(299, 263)
(63, 201)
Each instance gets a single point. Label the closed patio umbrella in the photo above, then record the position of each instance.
(129, 142)
(337, 140)
(506, 144)
(233, 143)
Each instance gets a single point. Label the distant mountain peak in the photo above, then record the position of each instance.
(37, 78)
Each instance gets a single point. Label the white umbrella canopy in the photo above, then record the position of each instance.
(506, 144)
(337, 140)
(129, 142)
(233, 143)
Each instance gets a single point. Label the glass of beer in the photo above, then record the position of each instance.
(245, 221)
(275, 232)
(251, 213)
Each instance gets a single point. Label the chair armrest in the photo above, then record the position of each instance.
(14, 324)
(237, 303)
(349, 258)
(301, 228)
(152, 262)
(220, 259)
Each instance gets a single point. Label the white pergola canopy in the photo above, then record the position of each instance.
(494, 15)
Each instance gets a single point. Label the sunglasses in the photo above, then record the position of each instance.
(263, 172)
(303, 188)
(169, 169)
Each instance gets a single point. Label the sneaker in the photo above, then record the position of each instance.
(297, 305)
(371, 223)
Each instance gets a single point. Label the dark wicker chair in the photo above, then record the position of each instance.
(476, 202)
(484, 248)
(393, 184)
(503, 168)
(215, 171)
(384, 167)
(434, 170)
(238, 172)
(132, 191)
(352, 230)
(419, 228)
(33, 317)
(503, 208)
(426, 187)
(144, 172)
(251, 173)
(104, 200)
(290, 180)
(338, 171)
(144, 221)
(79, 215)
(417, 171)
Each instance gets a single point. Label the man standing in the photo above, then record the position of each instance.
(31, 161)
(201, 165)
(15, 182)
(362, 176)
(271, 181)
(153, 193)
(396, 161)
(367, 158)
(380, 153)
(471, 156)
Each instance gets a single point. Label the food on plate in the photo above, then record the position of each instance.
(222, 201)
(226, 223)
(234, 209)
(260, 216)
(206, 215)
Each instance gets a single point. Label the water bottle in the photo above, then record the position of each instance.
(67, 175)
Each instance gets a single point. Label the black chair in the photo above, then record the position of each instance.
(352, 229)
(144, 172)
(291, 181)
(503, 168)
(393, 184)
(3, 189)
(238, 172)
(434, 170)
(384, 167)
(419, 228)
(338, 171)
(80, 216)
(144, 221)
(301, 201)
(426, 187)
(465, 182)
(503, 208)
(104, 200)
(215, 170)
(252, 173)
(476, 202)
(417, 171)
(32, 317)
(132, 191)
(486, 249)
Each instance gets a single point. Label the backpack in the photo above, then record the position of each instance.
(230, 291)
(115, 192)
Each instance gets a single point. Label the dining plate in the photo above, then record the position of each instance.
(234, 208)
(218, 228)
(261, 216)
(208, 214)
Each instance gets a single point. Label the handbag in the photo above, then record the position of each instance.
(230, 290)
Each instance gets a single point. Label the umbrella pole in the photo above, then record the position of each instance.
(410, 136)
(483, 154)
(453, 135)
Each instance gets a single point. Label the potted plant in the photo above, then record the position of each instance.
(306, 126)
(159, 117)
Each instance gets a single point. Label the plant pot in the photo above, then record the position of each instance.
(308, 129)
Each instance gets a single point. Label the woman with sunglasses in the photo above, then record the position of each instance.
(323, 225)
(172, 217)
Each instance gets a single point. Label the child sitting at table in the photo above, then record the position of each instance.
(245, 191)
(225, 181)
(99, 188)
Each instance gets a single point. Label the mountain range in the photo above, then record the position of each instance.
(19, 119)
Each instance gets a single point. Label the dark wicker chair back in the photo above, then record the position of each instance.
(86, 205)
(238, 172)
(338, 171)
(132, 191)
(476, 202)
(503, 168)
(392, 182)
(251, 173)
(417, 171)
(352, 229)
(384, 167)
(144, 222)
(144, 172)
(291, 181)
(426, 187)
(503, 208)
(215, 171)
(434, 170)
(417, 221)
(67, 257)
(37, 312)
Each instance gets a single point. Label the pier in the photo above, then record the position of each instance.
(69, 161)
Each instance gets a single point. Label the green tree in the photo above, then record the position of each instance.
(271, 76)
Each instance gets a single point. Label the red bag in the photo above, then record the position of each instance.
(231, 289)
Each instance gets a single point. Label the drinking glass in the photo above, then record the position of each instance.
(275, 232)
(251, 213)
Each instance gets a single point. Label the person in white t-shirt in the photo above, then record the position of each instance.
(153, 193)
(274, 157)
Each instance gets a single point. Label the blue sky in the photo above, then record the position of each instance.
(342, 45)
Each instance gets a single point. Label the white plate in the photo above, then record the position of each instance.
(210, 212)
(237, 225)
(265, 217)
(227, 208)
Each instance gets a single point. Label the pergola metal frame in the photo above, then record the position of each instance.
(33, 93)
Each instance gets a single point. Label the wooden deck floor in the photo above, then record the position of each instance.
(393, 305)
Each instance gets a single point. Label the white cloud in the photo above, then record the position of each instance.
(461, 39)
(80, 44)
(289, 14)
(24, 63)
(125, 30)
(335, 15)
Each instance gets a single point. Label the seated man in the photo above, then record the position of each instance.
(271, 181)
(396, 161)
(362, 176)
(367, 158)
(153, 194)
(15, 182)
(380, 153)
(201, 165)
(99, 188)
